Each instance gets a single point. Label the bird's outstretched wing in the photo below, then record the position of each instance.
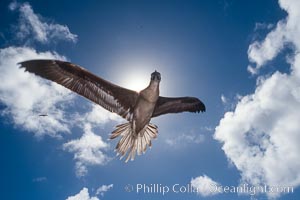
(165, 105)
(111, 97)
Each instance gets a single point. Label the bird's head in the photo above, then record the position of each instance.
(155, 76)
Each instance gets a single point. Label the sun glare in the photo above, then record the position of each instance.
(136, 83)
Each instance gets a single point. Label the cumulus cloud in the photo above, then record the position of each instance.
(33, 26)
(99, 115)
(82, 195)
(25, 96)
(285, 33)
(261, 136)
(204, 185)
(88, 150)
(104, 188)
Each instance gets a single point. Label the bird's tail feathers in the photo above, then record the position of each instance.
(132, 143)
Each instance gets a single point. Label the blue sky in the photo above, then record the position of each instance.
(241, 58)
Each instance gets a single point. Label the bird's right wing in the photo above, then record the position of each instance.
(110, 96)
(165, 105)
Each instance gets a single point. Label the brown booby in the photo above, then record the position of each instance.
(136, 107)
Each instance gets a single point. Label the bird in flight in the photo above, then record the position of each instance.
(136, 107)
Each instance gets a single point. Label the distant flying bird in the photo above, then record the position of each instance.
(43, 115)
(136, 107)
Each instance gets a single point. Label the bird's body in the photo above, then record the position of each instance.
(136, 108)
(137, 134)
(145, 105)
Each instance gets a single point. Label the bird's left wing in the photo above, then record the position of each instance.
(110, 96)
(165, 105)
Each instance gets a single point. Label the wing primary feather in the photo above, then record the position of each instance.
(167, 105)
(110, 96)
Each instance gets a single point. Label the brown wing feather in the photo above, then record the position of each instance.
(165, 105)
(111, 97)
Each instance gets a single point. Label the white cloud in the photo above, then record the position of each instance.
(263, 26)
(261, 136)
(104, 188)
(98, 115)
(223, 99)
(32, 25)
(261, 52)
(13, 5)
(40, 179)
(185, 139)
(88, 150)
(82, 195)
(286, 32)
(26, 96)
(204, 185)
